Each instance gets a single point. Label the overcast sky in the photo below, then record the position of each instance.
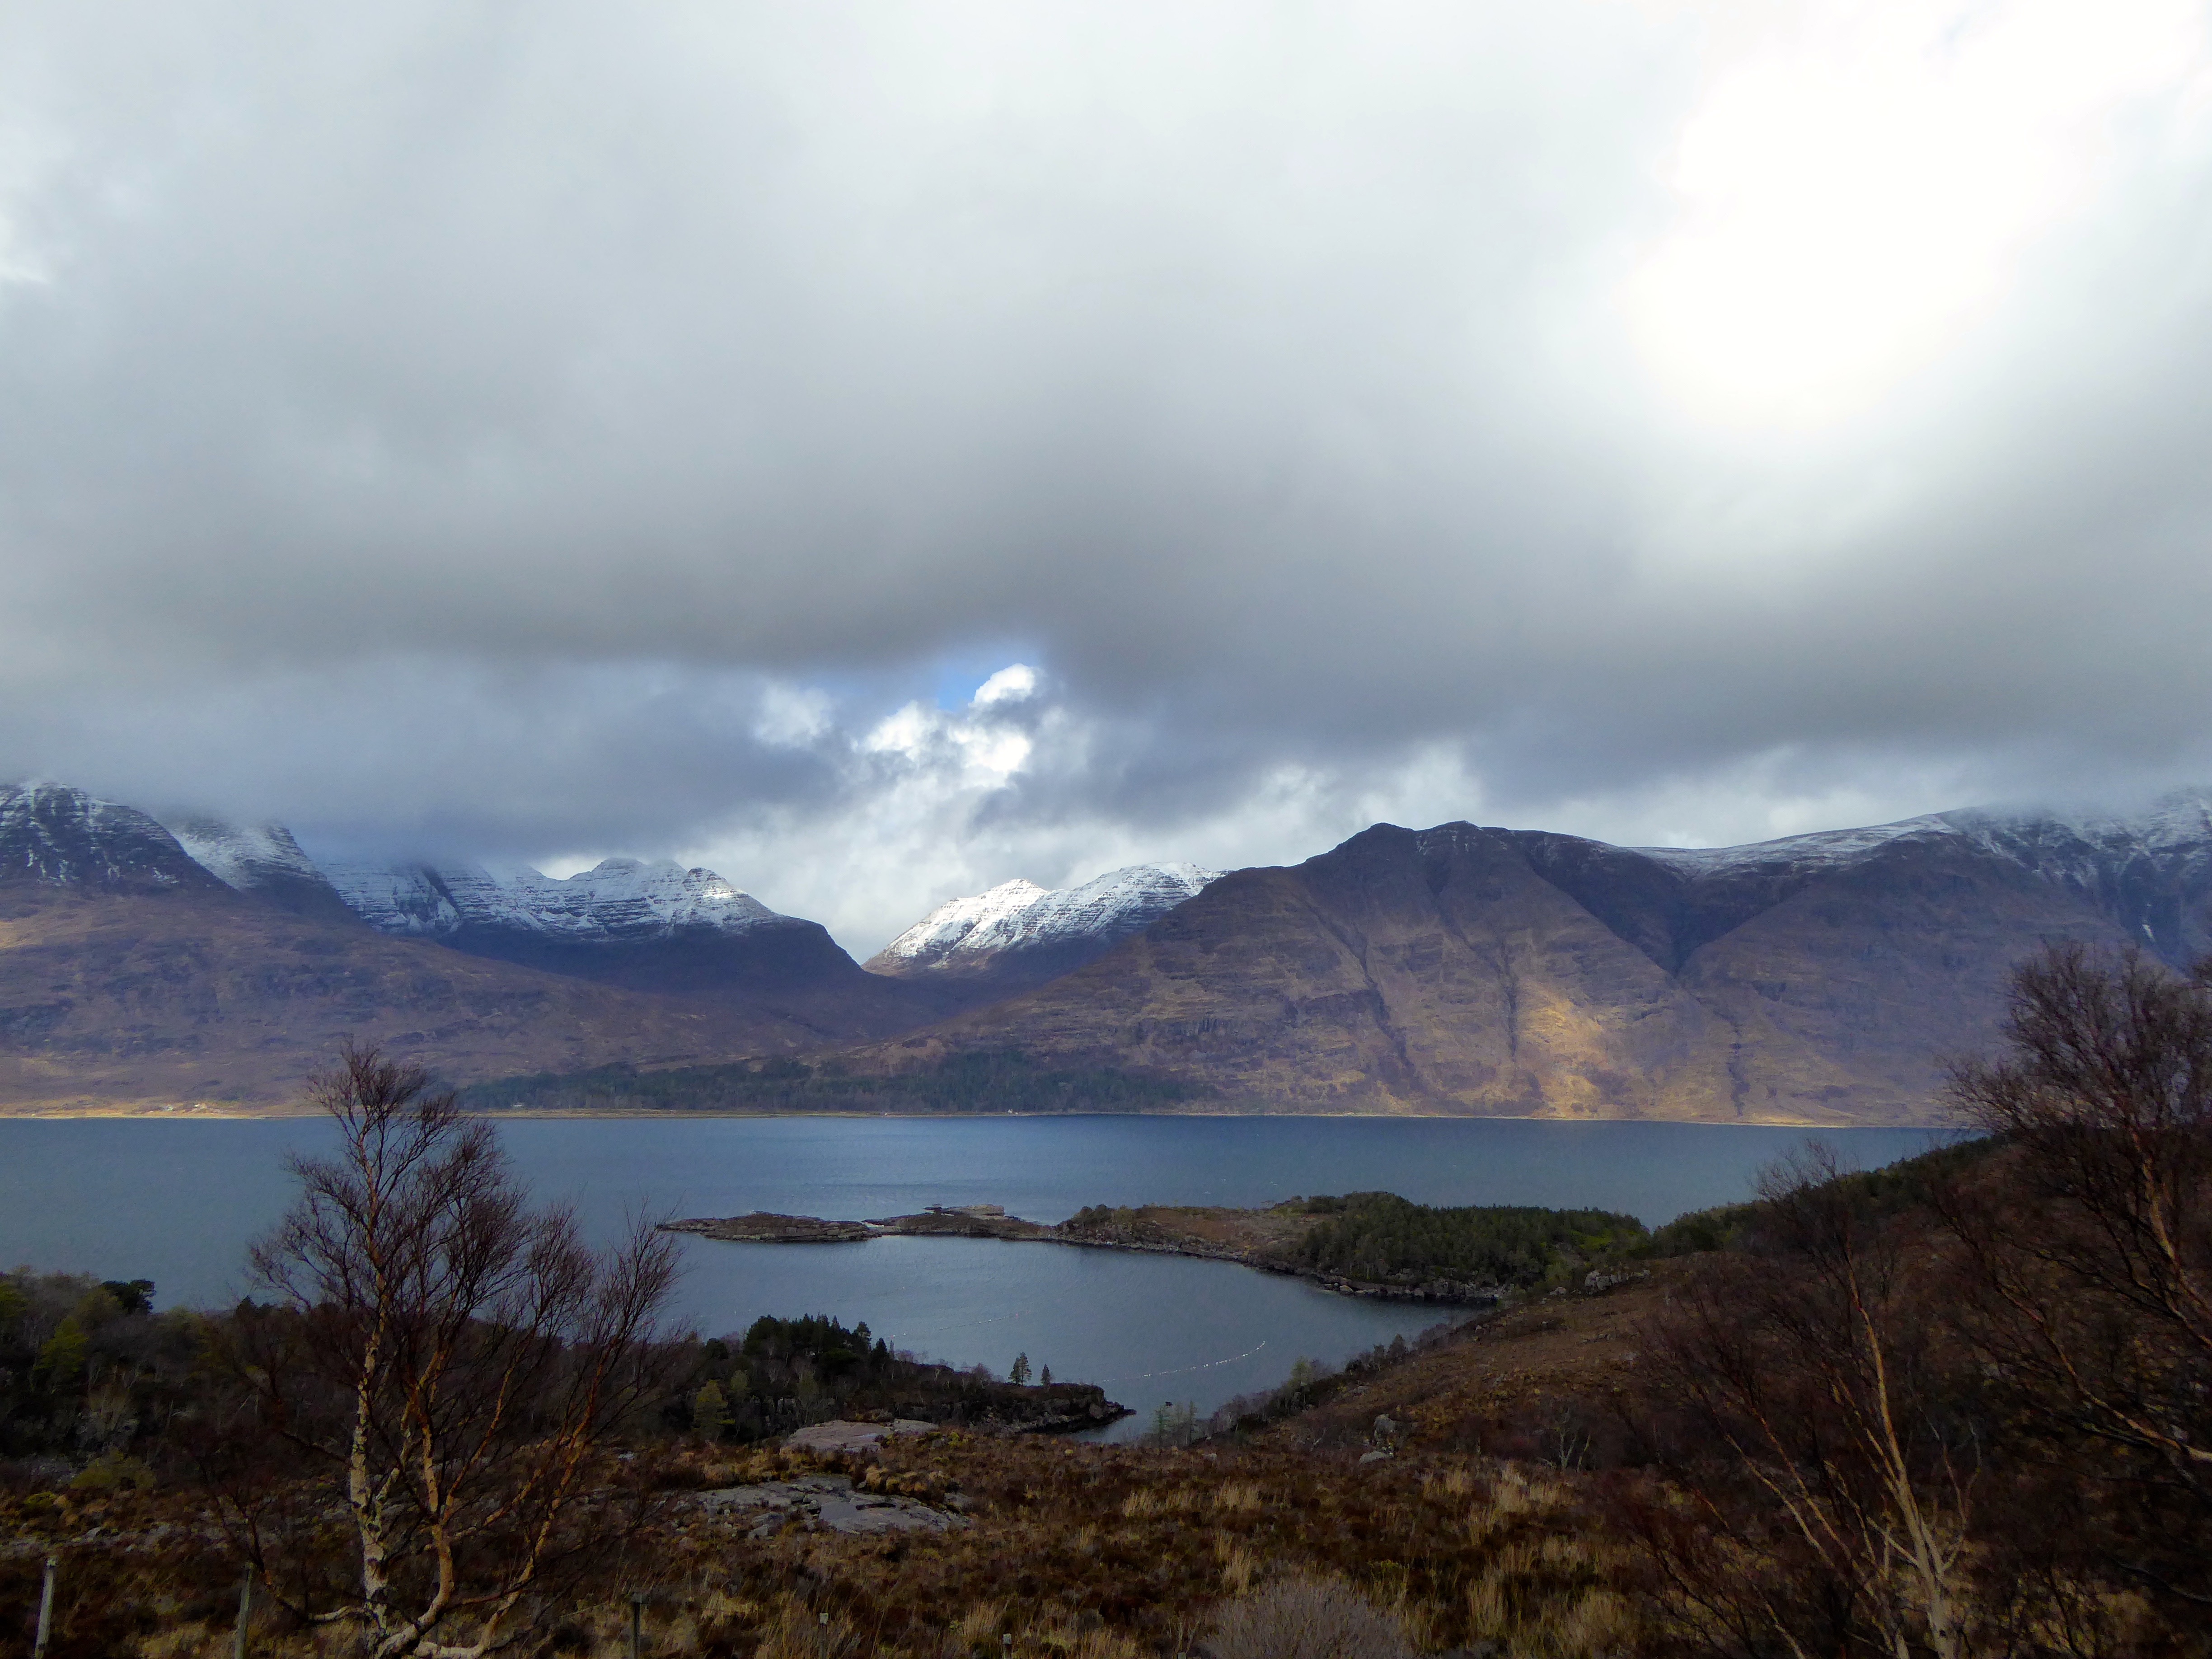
(882, 450)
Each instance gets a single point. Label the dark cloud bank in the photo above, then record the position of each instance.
(541, 431)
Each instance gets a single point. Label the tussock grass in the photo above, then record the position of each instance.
(1077, 1552)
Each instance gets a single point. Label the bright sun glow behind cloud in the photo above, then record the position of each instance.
(1856, 196)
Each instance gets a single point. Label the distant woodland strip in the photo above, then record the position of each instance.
(1001, 1082)
(1380, 1236)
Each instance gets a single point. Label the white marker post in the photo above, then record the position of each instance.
(45, 1613)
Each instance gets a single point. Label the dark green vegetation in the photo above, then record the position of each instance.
(782, 1373)
(90, 1376)
(1385, 1239)
(1380, 1242)
(1892, 1189)
(994, 1082)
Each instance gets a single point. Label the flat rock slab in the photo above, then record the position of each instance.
(840, 1435)
(764, 1227)
(826, 1501)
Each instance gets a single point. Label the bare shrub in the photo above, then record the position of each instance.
(1834, 1491)
(439, 1379)
(1307, 1617)
(2084, 1287)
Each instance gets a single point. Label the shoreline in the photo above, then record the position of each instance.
(988, 1221)
(230, 1114)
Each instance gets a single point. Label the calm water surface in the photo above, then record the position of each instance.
(177, 1203)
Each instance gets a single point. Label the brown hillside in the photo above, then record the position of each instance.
(1444, 971)
(121, 998)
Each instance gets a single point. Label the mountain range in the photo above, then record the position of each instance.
(151, 959)
(1824, 978)
(179, 958)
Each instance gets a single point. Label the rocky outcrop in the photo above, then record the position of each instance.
(822, 1503)
(764, 1227)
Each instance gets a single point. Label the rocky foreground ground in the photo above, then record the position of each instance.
(1476, 1529)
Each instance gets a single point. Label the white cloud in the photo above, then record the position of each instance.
(1857, 194)
(1015, 683)
(536, 432)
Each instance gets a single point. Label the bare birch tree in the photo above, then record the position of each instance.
(2085, 1281)
(1833, 1500)
(443, 1368)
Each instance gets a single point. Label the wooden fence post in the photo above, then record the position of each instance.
(45, 1613)
(636, 1623)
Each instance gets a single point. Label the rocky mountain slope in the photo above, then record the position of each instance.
(1818, 979)
(653, 927)
(1019, 934)
(261, 859)
(129, 974)
(62, 837)
(648, 926)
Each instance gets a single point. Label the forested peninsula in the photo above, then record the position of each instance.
(1370, 1244)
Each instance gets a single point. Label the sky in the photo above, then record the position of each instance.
(881, 450)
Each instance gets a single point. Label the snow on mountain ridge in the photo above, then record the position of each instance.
(617, 899)
(405, 899)
(1019, 915)
(62, 836)
(950, 926)
(1814, 847)
(2053, 843)
(239, 855)
(1090, 909)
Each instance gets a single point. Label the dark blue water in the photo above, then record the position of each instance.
(177, 1203)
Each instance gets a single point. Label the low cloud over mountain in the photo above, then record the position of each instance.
(539, 433)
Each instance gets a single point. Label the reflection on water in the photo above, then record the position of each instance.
(177, 1202)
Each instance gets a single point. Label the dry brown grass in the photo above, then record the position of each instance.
(1308, 1617)
(1238, 1497)
(1079, 1552)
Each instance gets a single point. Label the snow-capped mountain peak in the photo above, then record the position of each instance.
(58, 836)
(1019, 919)
(617, 899)
(945, 929)
(631, 898)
